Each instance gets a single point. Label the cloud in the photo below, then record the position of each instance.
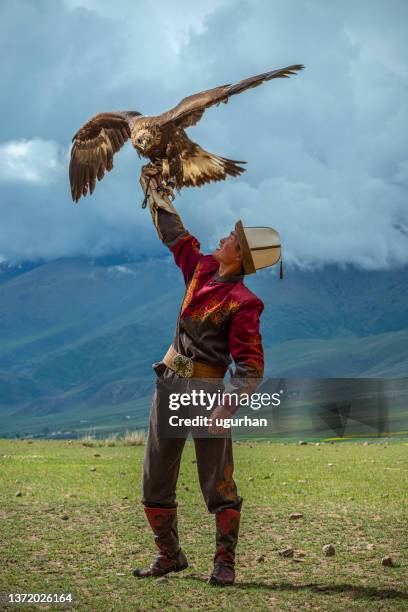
(360, 234)
(120, 269)
(326, 151)
(31, 161)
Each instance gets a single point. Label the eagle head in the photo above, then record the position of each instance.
(144, 140)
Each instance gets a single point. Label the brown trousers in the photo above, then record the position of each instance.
(215, 467)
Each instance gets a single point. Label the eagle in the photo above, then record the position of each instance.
(161, 138)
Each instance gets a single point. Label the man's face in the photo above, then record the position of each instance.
(228, 251)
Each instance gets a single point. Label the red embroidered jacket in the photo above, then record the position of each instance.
(219, 316)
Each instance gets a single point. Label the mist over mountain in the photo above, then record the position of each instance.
(326, 151)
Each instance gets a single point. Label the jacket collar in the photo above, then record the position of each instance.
(236, 278)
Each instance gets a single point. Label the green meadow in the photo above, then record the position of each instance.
(77, 526)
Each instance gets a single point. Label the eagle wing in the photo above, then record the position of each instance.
(94, 146)
(200, 166)
(190, 110)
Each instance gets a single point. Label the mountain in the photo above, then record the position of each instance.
(78, 337)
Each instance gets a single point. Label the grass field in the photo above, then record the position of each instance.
(79, 529)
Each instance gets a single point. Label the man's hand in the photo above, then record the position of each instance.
(220, 413)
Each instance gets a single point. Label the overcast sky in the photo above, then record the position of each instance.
(326, 150)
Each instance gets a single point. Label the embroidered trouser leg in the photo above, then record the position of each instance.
(163, 455)
(161, 464)
(215, 466)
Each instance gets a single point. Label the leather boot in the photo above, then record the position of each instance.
(227, 527)
(171, 558)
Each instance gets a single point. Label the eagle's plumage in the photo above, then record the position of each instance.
(160, 138)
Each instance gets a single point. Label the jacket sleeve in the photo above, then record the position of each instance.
(170, 229)
(185, 248)
(245, 343)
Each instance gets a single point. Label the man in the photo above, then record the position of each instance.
(218, 320)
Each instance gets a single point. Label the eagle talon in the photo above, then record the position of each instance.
(166, 191)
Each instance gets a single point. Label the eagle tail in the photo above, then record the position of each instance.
(201, 167)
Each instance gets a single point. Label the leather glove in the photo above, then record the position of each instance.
(157, 196)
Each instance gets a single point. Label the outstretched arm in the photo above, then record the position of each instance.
(170, 229)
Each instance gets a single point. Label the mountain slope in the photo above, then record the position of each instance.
(78, 337)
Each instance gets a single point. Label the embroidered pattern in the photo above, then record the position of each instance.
(256, 344)
(255, 364)
(187, 237)
(191, 288)
(216, 311)
(227, 486)
(255, 339)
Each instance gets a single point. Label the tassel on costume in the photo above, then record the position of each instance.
(281, 270)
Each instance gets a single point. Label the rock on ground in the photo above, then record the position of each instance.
(388, 561)
(295, 516)
(287, 552)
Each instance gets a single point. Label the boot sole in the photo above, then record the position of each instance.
(215, 582)
(179, 569)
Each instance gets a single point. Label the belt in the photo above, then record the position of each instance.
(187, 368)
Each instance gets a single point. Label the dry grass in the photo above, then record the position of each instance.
(134, 438)
(111, 440)
(129, 438)
(89, 440)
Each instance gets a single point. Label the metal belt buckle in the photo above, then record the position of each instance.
(183, 366)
